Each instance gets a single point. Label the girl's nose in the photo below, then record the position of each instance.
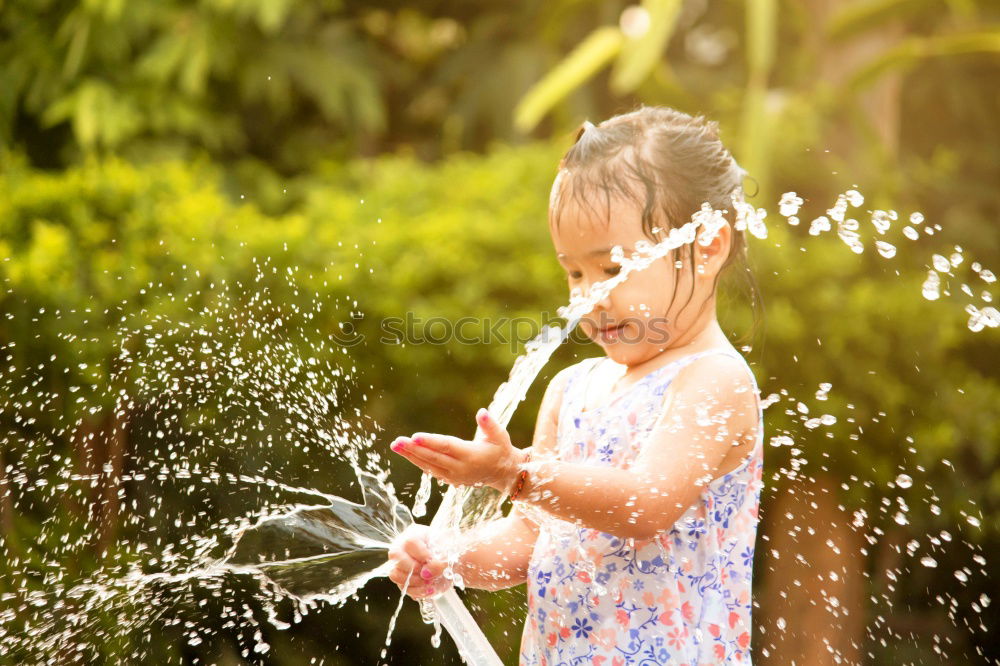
(603, 303)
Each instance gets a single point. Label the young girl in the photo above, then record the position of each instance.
(635, 518)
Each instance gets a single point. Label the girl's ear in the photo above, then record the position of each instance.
(712, 256)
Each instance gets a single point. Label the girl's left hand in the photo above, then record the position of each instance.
(491, 461)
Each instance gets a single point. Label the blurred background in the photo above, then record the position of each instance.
(397, 157)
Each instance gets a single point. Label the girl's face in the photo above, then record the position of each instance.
(640, 318)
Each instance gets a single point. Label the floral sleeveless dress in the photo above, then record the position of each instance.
(681, 598)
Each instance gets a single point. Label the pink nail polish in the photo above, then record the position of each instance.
(426, 574)
(417, 441)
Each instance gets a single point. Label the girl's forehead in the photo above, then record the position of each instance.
(585, 237)
(578, 203)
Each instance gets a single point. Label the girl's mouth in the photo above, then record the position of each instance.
(610, 333)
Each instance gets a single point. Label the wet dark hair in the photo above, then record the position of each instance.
(668, 163)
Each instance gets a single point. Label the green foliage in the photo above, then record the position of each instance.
(640, 54)
(591, 55)
(222, 75)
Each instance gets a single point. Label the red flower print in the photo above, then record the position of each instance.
(564, 633)
(631, 418)
(720, 651)
(743, 640)
(618, 661)
(714, 630)
(622, 617)
(674, 638)
(597, 661)
(649, 599)
(552, 639)
(733, 619)
(687, 611)
(666, 619)
(583, 576)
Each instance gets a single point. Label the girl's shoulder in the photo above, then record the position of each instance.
(564, 378)
(567, 375)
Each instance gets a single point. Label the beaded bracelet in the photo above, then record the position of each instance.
(522, 476)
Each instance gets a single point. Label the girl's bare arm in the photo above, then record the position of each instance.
(711, 413)
(498, 553)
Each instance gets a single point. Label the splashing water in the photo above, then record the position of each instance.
(198, 387)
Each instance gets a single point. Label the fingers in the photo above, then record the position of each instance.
(443, 444)
(432, 570)
(420, 458)
(415, 571)
(422, 449)
(495, 433)
(417, 550)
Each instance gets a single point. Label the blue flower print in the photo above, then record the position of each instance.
(582, 628)
(606, 452)
(747, 556)
(696, 528)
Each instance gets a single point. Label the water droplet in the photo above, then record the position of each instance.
(904, 481)
(911, 233)
(917, 218)
(932, 286)
(887, 250)
(789, 204)
(928, 562)
(881, 220)
(819, 225)
(941, 264)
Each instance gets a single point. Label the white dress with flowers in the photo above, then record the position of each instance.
(681, 598)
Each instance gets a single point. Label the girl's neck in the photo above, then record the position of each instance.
(702, 337)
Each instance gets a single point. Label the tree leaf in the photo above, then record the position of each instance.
(911, 51)
(762, 19)
(858, 17)
(639, 56)
(582, 63)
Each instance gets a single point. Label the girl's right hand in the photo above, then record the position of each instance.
(416, 570)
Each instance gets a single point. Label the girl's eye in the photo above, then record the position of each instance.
(576, 275)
